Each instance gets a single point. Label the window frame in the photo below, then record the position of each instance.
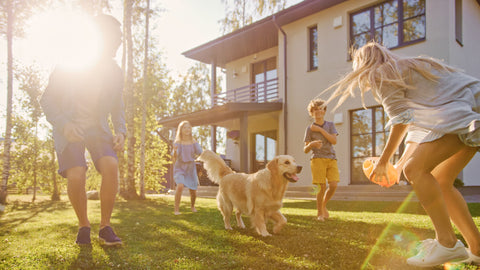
(312, 48)
(374, 132)
(401, 20)
(267, 134)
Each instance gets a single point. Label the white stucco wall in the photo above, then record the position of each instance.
(333, 62)
(303, 85)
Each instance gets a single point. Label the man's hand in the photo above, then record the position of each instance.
(118, 142)
(72, 132)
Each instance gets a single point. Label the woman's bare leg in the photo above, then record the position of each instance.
(418, 170)
(446, 173)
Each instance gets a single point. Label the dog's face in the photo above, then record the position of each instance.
(286, 166)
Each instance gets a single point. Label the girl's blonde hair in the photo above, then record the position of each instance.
(178, 136)
(375, 65)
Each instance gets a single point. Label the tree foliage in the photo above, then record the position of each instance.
(31, 155)
(33, 158)
(240, 13)
(191, 94)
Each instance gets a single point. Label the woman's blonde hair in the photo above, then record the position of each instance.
(178, 136)
(375, 65)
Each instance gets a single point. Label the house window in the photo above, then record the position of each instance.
(264, 79)
(368, 138)
(392, 23)
(265, 144)
(313, 48)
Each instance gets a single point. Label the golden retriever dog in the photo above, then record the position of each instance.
(258, 195)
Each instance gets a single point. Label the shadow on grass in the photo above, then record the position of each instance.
(27, 211)
(84, 259)
(158, 239)
(154, 238)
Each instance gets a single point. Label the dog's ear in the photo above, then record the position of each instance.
(272, 166)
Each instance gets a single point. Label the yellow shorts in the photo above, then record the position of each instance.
(324, 169)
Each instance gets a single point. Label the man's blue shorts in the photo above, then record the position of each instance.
(97, 142)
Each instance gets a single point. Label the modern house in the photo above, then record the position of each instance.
(275, 66)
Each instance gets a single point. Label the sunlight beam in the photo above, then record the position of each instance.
(65, 38)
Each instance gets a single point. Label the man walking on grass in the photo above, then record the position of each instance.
(78, 104)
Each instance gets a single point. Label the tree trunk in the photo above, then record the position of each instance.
(35, 154)
(131, 192)
(55, 193)
(121, 157)
(144, 105)
(8, 129)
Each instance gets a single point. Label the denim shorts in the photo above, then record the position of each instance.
(97, 142)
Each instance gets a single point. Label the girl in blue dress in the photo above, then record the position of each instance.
(185, 150)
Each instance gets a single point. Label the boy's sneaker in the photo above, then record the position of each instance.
(108, 237)
(432, 253)
(83, 236)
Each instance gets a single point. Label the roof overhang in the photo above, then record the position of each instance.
(255, 37)
(221, 113)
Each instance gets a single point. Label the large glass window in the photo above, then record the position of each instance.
(265, 144)
(263, 77)
(393, 23)
(368, 138)
(313, 48)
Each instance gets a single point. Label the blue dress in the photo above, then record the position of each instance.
(184, 170)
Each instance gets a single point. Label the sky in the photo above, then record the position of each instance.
(184, 24)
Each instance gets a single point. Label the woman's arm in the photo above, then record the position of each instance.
(397, 132)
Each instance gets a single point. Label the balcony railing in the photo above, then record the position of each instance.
(262, 92)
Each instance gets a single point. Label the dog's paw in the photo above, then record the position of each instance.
(278, 227)
(228, 228)
(241, 226)
(266, 234)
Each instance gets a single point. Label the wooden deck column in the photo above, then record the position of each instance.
(213, 86)
(244, 142)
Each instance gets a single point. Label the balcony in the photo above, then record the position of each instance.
(262, 92)
(252, 99)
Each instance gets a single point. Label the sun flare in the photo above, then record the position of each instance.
(64, 38)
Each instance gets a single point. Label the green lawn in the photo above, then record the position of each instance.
(358, 235)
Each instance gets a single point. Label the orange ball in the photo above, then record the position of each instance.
(368, 166)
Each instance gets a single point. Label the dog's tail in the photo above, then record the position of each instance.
(214, 165)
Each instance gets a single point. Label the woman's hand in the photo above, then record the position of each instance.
(378, 172)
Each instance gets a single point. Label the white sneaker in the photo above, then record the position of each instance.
(432, 253)
(472, 259)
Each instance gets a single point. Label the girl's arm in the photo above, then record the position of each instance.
(332, 138)
(397, 132)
